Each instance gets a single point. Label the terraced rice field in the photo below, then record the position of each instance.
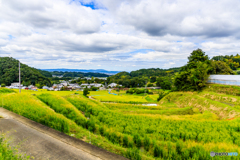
(184, 125)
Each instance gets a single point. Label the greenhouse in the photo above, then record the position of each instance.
(225, 79)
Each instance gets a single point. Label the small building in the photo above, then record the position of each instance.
(112, 85)
(45, 87)
(50, 89)
(225, 79)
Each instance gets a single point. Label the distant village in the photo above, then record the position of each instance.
(67, 85)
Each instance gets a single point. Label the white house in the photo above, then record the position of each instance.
(50, 89)
(112, 85)
(84, 85)
(45, 87)
(15, 84)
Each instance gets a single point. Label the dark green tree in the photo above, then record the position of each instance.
(194, 75)
(85, 92)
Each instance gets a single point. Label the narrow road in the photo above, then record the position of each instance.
(44, 143)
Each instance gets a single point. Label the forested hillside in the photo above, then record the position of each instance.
(9, 73)
(232, 61)
(140, 77)
(78, 74)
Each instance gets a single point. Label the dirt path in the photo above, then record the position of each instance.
(44, 143)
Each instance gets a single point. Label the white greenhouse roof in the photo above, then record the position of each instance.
(225, 77)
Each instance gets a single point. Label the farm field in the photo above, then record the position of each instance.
(122, 97)
(184, 125)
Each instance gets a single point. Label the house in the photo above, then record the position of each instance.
(45, 87)
(64, 83)
(113, 85)
(15, 84)
(95, 85)
(84, 85)
(31, 86)
(57, 86)
(34, 88)
(50, 89)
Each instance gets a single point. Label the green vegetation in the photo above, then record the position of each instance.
(194, 75)
(9, 153)
(60, 105)
(5, 90)
(140, 77)
(184, 124)
(78, 74)
(9, 73)
(85, 92)
(231, 61)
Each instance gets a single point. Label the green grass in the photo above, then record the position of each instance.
(9, 153)
(5, 90)
(60, 105)
(184, 125)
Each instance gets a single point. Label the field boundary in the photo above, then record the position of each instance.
(91, 149)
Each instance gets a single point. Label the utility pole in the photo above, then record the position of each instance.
(19, 78)
(145, 89)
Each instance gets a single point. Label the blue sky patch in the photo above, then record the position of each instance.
(91, 5)
(10, 37)
(142, 51)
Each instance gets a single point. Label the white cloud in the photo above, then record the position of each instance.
(58, 34)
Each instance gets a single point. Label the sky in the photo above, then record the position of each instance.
(116, 35)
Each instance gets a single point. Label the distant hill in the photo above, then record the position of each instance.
(77, 74)
(83, 70)
(138, 78)
(9, 73)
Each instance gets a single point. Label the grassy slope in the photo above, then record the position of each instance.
(208, 106)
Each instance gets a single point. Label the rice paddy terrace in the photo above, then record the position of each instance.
(184, 125)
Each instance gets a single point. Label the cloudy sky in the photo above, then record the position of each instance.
(120, 35)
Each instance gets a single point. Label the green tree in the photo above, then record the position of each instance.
(85, 92)
(194, 75)
(3, 85)
(220, 67)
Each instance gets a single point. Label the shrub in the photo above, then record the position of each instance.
(133, 154)
(157, 151)
(179, 147)
(125, 141)
(5, 90)
(137, 140)
(101, 130)
(146, 143)
(3, 85)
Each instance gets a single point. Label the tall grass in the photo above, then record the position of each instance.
(62, 106)
(9, 153)
(32, 108)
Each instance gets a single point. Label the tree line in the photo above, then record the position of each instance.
(9, 73)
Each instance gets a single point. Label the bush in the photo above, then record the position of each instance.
(125, 141)
(179, 147)
(157, 151)
(137, 140)
(91, 125)
(3, 85)
(5, 90)
(133, 154)
(101, 130)
(94, 88)
(161, 95)
(146, 143)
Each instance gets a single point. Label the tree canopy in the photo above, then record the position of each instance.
(194, 75)
(9, 73)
